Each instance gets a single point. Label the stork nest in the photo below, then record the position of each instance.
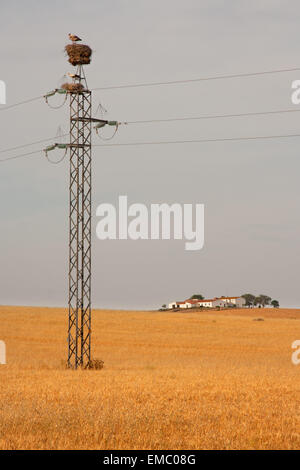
(79, 54)
(73, 87)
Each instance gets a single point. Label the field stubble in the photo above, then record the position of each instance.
(170, 381)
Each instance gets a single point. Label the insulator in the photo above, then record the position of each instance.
(61, 146)
(51, 93)
(101, 124)
(49, 148)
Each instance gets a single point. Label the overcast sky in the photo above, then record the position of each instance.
(250, 189)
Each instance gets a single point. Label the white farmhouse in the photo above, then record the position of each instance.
(210, 303)
(177, 305)
(237, 301)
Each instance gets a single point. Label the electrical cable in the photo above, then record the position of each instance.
(228, 139)
(213, 116)
(169, 82)
(31, 143)
(215, 77)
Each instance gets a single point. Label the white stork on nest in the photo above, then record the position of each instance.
(74, 75)
(74, 38)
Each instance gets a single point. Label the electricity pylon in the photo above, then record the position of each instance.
(80, 198)
(79, 328)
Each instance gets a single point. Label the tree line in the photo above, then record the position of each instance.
(259, 300)
(251, 300)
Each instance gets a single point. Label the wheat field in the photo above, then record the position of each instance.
(175, 380)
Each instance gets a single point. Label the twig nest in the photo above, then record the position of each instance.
(79, 54)
(73, 87)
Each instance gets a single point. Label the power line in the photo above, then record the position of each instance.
(169, 82)
(215, 77)
(228, 139)
(53, 162)
(32, 143)
(163, 142)
(213, 116)
(21, 102)
(20, 156)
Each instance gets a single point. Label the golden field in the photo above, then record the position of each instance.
(181, 380)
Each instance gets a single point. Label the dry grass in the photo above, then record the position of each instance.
(170, 381)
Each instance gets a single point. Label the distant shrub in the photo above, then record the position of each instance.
(95, 364)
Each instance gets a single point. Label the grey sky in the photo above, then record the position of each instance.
(250, 189)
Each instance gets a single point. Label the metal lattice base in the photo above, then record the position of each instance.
(79, 331)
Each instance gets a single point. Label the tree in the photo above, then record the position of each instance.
(262, 300)
(275, 303)
(197, 296)
(163, 306)
(250, 299)
(257, 301)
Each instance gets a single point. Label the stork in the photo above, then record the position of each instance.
(74, 76)
(74, 38)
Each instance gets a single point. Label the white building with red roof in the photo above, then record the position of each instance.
(210, 303)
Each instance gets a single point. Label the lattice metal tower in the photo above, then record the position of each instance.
(79, 329)
(80, 214)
